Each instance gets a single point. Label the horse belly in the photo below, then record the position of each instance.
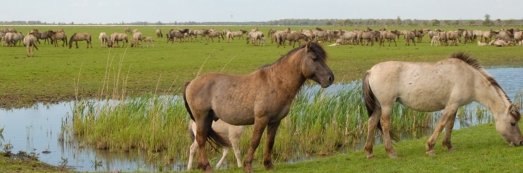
(425, 98)
(234, 112)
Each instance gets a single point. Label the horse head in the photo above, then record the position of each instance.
(314, 65)
(507, 126)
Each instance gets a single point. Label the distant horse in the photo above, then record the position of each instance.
(294, 37)
(13, 38)
(116, 38)
(262, 98)
(445, 85)
(232, 34)
(159, 33)
(390, 36)
(103, 39)
(231, 133)
(256, 38)
(128, 30)
(41, 35)
(30, 41)
(58, 35)
(410, 37)
(174, 35)
(211, 34)
(148, 41)
(80, 36)
(137, 37)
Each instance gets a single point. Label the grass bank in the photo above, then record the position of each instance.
(22, 163)
(476, 149)
(57, 73)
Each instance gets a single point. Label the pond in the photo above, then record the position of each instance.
(38, 129)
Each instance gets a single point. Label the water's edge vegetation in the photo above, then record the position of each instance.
(321, 122)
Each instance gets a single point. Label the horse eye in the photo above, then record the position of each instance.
(513, 124)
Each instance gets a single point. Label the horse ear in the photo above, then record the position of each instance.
(514, 108)
(307, 46)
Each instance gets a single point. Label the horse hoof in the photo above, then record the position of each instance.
(431, 153)
(247, 168)
(393, 156)
(268, 165)
(370, 156)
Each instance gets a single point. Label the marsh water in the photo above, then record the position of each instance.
(38, 129)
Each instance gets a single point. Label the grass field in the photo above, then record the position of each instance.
(57, 73)
(476, 149)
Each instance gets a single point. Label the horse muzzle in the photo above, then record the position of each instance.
(327, 81)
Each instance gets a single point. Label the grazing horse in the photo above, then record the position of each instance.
(116, 38)
(296, 37)
(80, 36)
(148, 41)
(137, 37)
(229, 132)
(262, 98)
(58, 35)
(104, 39)
(256, 38)
(30, 41)
(159, 33)
(445, 85)
(13, 38)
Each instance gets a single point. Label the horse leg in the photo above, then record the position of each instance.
(271, 134)
(373, 122)
(385, 125)
(448, 131)
(202, 126)
(259, 127)
(448, 112)
(224, 155)
(192, 151)
(235, 141)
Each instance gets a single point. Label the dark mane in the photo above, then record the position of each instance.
(314, 47)
(474, 63)
(467, 59)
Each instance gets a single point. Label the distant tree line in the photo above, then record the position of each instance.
(312, 22)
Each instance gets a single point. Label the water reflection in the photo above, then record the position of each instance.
(38, 129)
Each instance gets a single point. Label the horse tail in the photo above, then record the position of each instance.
(71, 40)
(185, 100)
(212, 136)
(371, 103)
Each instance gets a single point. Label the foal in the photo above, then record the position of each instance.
(226, 131)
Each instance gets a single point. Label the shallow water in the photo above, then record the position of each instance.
(38, 129)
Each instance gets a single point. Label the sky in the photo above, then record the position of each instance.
(116, 11)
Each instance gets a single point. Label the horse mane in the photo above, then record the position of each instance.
(314, 47)
(467, 59)
(474, 63)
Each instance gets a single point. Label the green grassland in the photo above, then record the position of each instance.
(57, 73)
(476, 149)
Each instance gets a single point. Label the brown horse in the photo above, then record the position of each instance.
(262, 98)
(81, 36)
(58, 35)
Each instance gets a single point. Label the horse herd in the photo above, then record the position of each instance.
(287, 37)
(220, 105)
